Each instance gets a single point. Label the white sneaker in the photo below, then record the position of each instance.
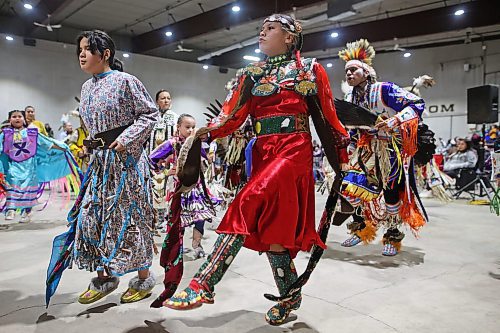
(25, 217)
(10, 215)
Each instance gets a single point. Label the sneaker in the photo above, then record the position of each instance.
(11, 214)
(25, 217)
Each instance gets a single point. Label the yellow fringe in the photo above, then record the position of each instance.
(398, 157)
(358, 192)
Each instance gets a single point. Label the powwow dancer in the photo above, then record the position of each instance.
(112, 221)
(280, 94)
(163, 130)
(380, 180)
(28, 162)
(197, 204)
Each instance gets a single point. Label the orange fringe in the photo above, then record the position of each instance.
(409, 136)
(397, 245)
(368, 233)
(364, 140)
(410, 214)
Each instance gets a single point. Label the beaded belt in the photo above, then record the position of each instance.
(282, 124)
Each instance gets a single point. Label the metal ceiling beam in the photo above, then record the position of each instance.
(213, 20)
(477, 13)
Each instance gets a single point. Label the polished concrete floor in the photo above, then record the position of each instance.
(446, 281)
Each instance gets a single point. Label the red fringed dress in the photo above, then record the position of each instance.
(277, 205)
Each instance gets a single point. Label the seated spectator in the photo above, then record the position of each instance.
(465, 157)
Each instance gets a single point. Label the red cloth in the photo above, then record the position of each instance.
(277, 205)
(439, 159)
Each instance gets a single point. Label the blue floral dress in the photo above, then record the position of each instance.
(114, 213)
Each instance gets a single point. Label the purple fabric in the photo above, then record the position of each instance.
(21, 150)
(161, 152)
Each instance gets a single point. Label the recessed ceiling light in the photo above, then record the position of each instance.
(334, 34)
(126, 55)
(168, 33)
(9, 38)
(251, 58)
(329, 65)
(257, 51)
(236, 8)
(407, 55)
(459, 12)
(205, 66)
(28, 6)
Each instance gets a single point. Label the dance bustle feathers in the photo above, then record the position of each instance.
(354, 115)
(359, 50)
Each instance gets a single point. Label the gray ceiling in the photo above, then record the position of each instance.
(210, 25)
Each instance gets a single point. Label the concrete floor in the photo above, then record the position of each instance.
(446, 281)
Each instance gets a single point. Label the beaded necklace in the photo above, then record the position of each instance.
(359, 96)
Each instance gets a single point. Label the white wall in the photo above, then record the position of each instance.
(48, 77)
(446, 65)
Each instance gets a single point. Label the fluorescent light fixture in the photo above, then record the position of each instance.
(460, 12)
(257, 50)
(205, 66)
(334, 34)
(407, 55)
(251, 58)
(28, 6)
(126, 55)
(329, 65)
(236, 8)
(9, 38)
(168, 33)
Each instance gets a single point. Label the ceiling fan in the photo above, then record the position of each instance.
(180, 48)
(48, 26)
(396, 46)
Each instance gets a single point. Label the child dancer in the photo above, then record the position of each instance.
(196, 206)
(28, 163)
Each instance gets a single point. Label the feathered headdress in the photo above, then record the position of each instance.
(359, 54)
(359, 50)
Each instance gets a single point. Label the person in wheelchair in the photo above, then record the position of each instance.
(464, 158)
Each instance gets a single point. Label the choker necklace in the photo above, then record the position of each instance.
(279, 58)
